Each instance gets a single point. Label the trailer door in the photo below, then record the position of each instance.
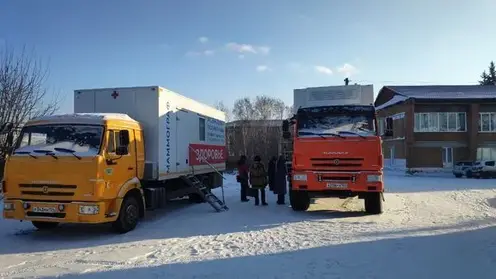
(185, 132)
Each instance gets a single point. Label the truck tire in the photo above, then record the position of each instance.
(43, 226)
(373, 203)
(128, 215)
(300, 201)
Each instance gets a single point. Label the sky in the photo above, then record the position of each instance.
(222, 50)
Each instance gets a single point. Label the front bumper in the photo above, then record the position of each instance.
(338, 181)
(73, 212)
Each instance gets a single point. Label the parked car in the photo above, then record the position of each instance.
(484, 169)
(463, 168)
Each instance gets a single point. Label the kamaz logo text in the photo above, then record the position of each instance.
(335, 153)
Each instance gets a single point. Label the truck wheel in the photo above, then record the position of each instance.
(373, 203)
(128, 215)
(300, 201)
(43, 226)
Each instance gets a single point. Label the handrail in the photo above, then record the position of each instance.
(214, 168)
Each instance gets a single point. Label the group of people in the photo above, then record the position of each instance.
(258, 177)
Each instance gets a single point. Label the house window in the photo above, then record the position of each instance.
(202, 129)
(487, 122)
(429, 122)
(486, 153)
(447, 156)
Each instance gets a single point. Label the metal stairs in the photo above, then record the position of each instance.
(205, 193)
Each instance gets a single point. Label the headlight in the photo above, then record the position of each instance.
(300, 177)
(374, 178)
(8, 206)
(89, 209)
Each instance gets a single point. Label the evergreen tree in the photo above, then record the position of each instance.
(489, 78)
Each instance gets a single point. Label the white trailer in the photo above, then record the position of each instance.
(180, 134)
(333, 96)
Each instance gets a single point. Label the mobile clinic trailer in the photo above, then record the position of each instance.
(132, 148)
(171, 124)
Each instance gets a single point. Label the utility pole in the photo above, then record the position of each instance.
(346, 81)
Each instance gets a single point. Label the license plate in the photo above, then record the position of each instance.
(40, 209)
(337, 185)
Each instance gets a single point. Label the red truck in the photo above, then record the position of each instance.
(334, 147)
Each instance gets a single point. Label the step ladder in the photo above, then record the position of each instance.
(204, 192)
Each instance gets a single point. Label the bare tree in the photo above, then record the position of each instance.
(22, 89)
(279, 109)
(288, 111)
(264, 107)
(258, 137)
(243, 109)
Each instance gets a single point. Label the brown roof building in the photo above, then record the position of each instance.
(434, 126)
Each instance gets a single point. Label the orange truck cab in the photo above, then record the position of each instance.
(335, 150)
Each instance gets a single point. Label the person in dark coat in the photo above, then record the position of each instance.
(272, 172)
(258, 179)
(280, 180)
(243, 177)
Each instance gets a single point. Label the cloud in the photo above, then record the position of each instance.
(263, 68)
(203, 40)
(323, 70)
(207, 52)
(247, 48)
(347, 70)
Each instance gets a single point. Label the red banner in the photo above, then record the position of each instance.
(213, 154)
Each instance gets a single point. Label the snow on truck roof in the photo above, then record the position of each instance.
(85, 117)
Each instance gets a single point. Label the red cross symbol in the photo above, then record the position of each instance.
(115, 94)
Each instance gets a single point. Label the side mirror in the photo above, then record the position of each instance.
(388, 133)
(389, 127)
(122, 150)
(124, 137)
(286, 134)
(10, 139)
(285, 126)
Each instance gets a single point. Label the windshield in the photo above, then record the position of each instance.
(81, 139)
(312, 125)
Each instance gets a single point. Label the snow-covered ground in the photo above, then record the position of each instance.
(433, 227)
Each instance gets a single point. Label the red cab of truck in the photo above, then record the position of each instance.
(336, 153)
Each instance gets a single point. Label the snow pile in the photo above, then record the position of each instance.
(427, 223)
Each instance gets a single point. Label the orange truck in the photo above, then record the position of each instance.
(334, 146)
